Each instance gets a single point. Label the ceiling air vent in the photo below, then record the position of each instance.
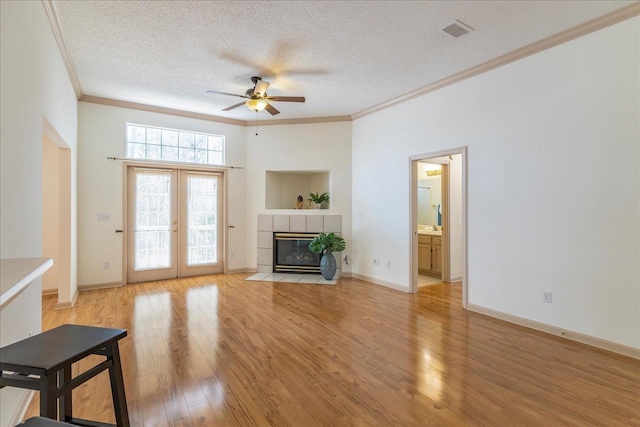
(457, 29)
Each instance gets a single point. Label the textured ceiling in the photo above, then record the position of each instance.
(343, 56)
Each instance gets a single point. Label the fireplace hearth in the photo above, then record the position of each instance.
(291, 253)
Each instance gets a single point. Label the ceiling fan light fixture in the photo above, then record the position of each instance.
(256, 104)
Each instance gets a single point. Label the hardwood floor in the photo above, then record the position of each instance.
(217, 351)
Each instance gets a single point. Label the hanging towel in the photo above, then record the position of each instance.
(439, 214)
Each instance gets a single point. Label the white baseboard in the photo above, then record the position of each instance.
(49, 292)
(63, 305)
(384, 283)
(242, 270)
(554, 330)
(22, 408)
(455, 279)
(100, 286)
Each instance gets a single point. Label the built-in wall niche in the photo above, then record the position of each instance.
(284, 187)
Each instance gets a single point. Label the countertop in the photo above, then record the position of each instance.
(430, 233)
(17, 273)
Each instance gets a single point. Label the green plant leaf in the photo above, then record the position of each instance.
(318, 198)
(324, 243)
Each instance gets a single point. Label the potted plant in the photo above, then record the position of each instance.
(317, 199)
(326, 244)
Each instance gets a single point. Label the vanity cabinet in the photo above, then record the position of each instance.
(430, 255)
(436, 256)
(424, 253)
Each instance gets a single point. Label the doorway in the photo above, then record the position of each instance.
(439, 219)
(56, 217)
(174, 223)
(432, 208)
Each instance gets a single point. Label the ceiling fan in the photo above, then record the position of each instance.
(257, 99)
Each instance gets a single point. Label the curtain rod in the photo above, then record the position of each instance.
(181, 164)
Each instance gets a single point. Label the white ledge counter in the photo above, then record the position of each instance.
(20, 316)
(17, 273)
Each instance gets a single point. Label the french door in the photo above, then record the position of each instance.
(174, 223)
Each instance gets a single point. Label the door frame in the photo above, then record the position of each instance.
(154, 274)
(413, 219)
(184, 269)
(177, 166)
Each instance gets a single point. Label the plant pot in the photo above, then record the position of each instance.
(328, 266)
(317, 206)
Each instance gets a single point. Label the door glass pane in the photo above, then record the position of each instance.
(202, 213)
(153, 220)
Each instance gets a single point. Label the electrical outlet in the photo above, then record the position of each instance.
(376, 262)
(104, 217)
(546, 297)
(106, 265)
(459, 221)
(388, 264)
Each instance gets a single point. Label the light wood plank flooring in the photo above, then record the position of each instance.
(218, 351)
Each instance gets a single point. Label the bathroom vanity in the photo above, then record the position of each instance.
(430, 253)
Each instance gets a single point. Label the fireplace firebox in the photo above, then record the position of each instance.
(291, 253)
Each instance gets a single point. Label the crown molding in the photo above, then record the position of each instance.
(170, 111)
(301, 121)
(588, 27)
(52, 13)
(161, 110)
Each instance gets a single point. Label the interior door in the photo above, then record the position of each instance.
(200, 224)
(152, 200)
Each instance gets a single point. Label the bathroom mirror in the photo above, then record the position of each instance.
(429, 194)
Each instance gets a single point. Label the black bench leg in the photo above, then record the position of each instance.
(66, 407)
(49, 396)
(117, 386)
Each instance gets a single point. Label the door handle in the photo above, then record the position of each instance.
(118, 231)
(175, 230)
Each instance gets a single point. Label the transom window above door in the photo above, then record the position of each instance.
(173, 145)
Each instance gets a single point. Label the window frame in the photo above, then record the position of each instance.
(178, 147)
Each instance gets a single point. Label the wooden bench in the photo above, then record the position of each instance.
(43, 362)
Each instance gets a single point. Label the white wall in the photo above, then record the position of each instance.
(562, 123)
(321, 146)
(273, 190)
(37, 98)
(34, 86)
(101, 134)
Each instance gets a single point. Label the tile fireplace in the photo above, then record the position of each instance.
(302, 229)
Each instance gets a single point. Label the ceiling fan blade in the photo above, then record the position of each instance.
(261, 88)
(286, 98)
(233, 106)
(225, 93)
(271, 109)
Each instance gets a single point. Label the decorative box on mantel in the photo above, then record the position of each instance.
(269, 224)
